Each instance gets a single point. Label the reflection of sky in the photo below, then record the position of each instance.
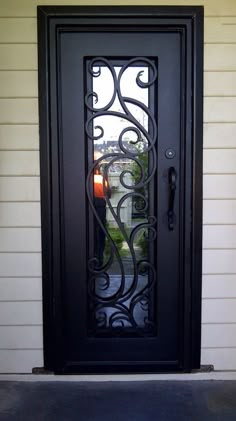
(103, 86)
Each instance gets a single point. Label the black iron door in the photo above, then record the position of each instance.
(121, 154)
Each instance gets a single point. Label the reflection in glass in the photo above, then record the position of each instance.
(121, 131)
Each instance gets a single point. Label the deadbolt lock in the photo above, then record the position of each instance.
(170, 153)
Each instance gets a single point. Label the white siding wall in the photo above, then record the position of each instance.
(21, 343)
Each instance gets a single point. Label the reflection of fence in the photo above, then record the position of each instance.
(118, 191)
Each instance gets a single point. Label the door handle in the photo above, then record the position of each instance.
(172, 176)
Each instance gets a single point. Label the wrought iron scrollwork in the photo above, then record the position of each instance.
(121, 305)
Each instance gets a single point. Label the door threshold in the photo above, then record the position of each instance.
(197, 376)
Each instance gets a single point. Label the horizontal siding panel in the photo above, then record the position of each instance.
(20, 214)
(18, 84)
(221, 358)
(220, 29)
(219, 286)
(18, 111)
(219, 186)
(217, 135)
(216, 236)
(18, 57)
(19, 189)
(219, 261)
(28, 7)
(22, 29)
(20, 240)
(18, 30)
(19, 163)
(219, 161)
(220, 83)
(220, 109)
(16, 289)
(20, 313)
(20, 361)
(218, 212)
(21, 337)
(20, 264)
(19, 137)
(219, 310)
(220, 57)
(24, 83)
(223, 335)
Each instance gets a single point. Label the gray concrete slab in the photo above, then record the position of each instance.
(118, 401)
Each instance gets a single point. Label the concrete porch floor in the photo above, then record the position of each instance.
(118, 401)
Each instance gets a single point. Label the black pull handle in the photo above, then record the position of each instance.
(172, 176)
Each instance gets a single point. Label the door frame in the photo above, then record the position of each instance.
(188, 21)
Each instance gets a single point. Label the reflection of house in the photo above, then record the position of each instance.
(111, 146)
(118, 191)
(128, 210)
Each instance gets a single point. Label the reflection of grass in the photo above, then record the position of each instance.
(124, 252)
(118, 239)
(140, 243)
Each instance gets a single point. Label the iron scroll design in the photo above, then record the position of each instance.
(121, 304)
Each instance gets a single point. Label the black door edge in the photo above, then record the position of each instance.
(51, 20)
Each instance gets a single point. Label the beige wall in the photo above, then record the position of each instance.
(20, 259)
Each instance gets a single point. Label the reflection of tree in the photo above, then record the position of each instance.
(138, 202)
(142, 244)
